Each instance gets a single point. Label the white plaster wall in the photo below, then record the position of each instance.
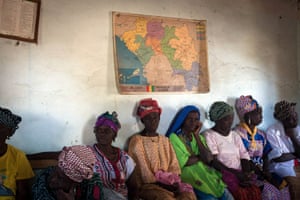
(60, 85)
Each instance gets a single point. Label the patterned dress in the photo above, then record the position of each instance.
(40, 189)
(86, 190)
(261, 148)
(114, 174)
(256, 152)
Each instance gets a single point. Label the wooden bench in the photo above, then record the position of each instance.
(42, 163)
(43, 160)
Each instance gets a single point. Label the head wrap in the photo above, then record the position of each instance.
(219, 110)
(147, 106)
(9, 119)
(109, 120)
(178, 121)
(283, 110)
(77, 162)
(245, 104)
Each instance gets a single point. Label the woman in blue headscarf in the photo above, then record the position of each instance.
(194, 157)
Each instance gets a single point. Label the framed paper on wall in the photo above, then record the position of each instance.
(19, 19)
(159, 54)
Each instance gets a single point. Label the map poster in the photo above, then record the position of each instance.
(159, 54)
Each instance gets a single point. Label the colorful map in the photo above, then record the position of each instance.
(159, 54)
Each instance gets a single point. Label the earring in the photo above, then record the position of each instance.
(249, 121)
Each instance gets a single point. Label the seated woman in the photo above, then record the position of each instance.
(194, 157)
(230, 156)
(113, 165)
(15, 170)
(284, 137)
(75, 164)
(254, 140)
(157, 171)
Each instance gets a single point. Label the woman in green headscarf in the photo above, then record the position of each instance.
(230, 156)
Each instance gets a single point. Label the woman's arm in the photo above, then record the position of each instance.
(243, 178)
(192, 160)
(204, 153)
(23, 189)
(284, 157)
(292, 133)
(246, 166)
(218, 165)
(133, 184)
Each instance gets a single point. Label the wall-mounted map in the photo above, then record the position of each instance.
(159, 54)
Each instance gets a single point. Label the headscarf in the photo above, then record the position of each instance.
(219, 109)
(110, 120)
(283, 110)
(77, 162)
(147, 106)
(9, 119)
(178, 121)
(245, 104)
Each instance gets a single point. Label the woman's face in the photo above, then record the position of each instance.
(59, 181)
(224, 124)
(292, 120)
(151, 122)
(104, 135)
(191, 122)
(254, 117)
(5, 132)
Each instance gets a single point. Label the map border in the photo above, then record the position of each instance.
(148, 89)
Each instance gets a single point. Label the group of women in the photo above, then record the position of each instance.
(220, 163)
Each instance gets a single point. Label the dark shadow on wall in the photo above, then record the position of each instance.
(231, 101)
(138, 123)
(88, 136)
(39, 133)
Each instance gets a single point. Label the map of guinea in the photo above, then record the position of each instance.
(159, 54)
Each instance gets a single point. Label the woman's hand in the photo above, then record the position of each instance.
(62, 195)
(197, 129)
(172, 188)
(268, 176)
(291, 132)
(244, 178)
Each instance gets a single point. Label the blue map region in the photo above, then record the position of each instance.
(130, 67)
(191, 78)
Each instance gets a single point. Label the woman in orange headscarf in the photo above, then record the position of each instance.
(157, 169)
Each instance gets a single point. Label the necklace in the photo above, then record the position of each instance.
(111, 154)
(186, 139)
(251, 133)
